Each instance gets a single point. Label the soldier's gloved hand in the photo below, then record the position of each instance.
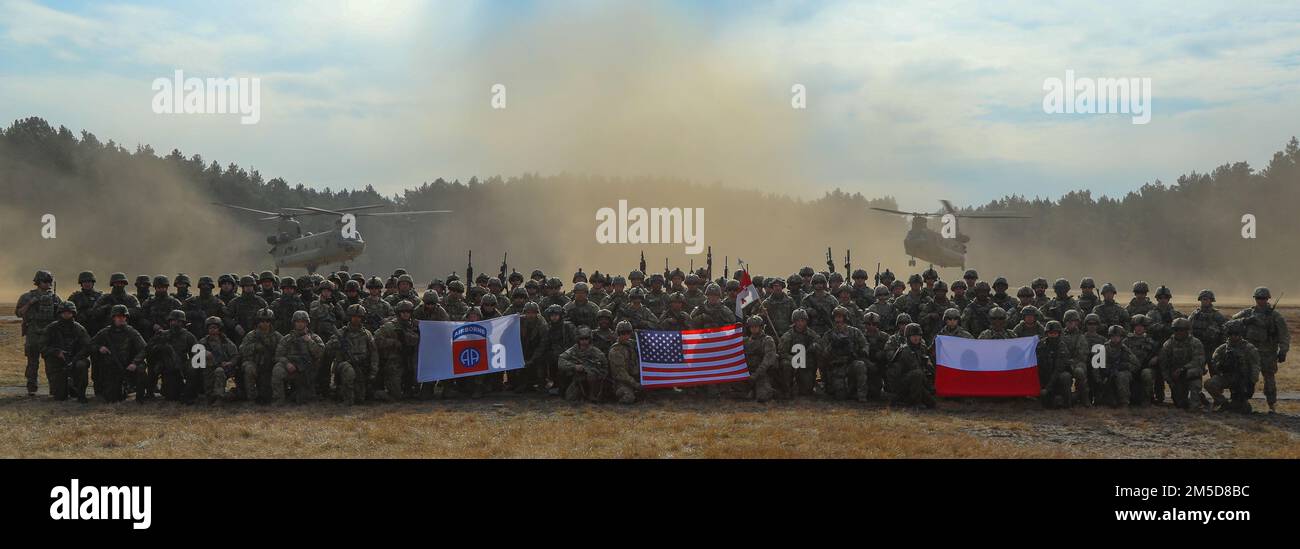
(1281, 356)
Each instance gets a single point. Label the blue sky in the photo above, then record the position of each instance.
(919, 100)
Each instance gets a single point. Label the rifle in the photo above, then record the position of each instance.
(469, 269)
(847, 262)
(708, 266)
(642, 263)
(726, 263)
(502, 274)
(830, 262)
(666, 271)
(877, 273)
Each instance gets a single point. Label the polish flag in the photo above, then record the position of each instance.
(986, 367)
(748, 294)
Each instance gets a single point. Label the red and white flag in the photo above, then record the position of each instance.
(748, 294)
(691, 357)
(986, 367)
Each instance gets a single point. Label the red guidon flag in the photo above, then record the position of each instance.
(986, 367)
(748, 294)
(691, 357)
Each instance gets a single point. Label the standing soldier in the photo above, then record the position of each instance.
(257, 350)
(1077, 345)
(854, 315)
(633, 311)
(911, 371)
(760, 354)
(1039, 285)
(454, 302)
(38, 308)
(952, 325)
(1266, 330)
(1147, 353)
(268, 281)
(85, 299)
(624, 367)
(66, 346)
(844, 353)
(222, 360)
(405, 291)
(1000, 296)
(778, 305)
(1026, 297)
(1055, 368)
(863, 294)
(431, 310)
(1056, 307)
(553, 294)
(1110, 312)
(959, 298)
(581, 311)
(675, 318)
(796, 359)
(694, 295)
(713, 314)
(199, 308)
(296, 359)
(883, 309)
(599, 281)
(975, 318)
(288, 303)
(532, 338)
(896, 290)
(820, 305)
(355, 357)
(182, 288)
(1160, 325)
(120, 354)
(227, 284)
(326, 316)
(1182, 357)
(155, 310)
(1207, 323)
(1028, 325)
(932, 312)
(603, 337)
(877, 354)
(399, 344)
(797, 289)
(1235, 367)
(378, 311)
(1088, 295)
(242, 312)
(913, 300)
(1140, 304)
(142, 293)
(998, 326)
(655, 298)
(560, 335)
(969, 278)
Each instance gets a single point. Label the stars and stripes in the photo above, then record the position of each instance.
(692, 357)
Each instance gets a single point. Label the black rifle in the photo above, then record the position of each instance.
(642, 263)
(726, 263)
(469, 269)
(708, 265)
(830, 261)
(848, 264)
(877, 273)
(666, 272)
(502, 274)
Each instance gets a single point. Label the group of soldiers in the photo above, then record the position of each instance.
(353, 339)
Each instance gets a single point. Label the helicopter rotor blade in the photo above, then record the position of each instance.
(404, 213)
(993, 216)
(275, 215)
(886, 210)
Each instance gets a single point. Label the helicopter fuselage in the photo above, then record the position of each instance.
(317, 249)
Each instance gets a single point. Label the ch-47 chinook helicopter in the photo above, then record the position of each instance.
(927, 244)
(291, 247)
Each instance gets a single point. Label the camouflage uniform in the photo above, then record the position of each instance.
(1121, 363)
(257, 350)
(356, 362)
(793, 342)
(884, 309)
(1055, 369)
(1110, 312)
(38, 308)
(1183, 362)
(586, 369)
(66, 346)
(125, 347)
(241, 313)
(581, 311)
(975, 318)
(624, 371)
(1267, 331)
(85, 300)
(284, 308)
(911, 372)
(222, 361)
(305, 351)
(1235, 366)
(779, 306)
(169, 360)
(844, 351)
(1056, 307)
(1145, 349)
(399, 343)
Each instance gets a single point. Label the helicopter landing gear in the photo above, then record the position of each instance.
(911, 262)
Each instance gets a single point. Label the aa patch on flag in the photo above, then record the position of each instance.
(449, 350)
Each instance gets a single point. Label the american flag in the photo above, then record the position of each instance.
(692, 357)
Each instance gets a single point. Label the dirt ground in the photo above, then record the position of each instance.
(668, 425)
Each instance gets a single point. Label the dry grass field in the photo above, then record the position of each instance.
(669, 425)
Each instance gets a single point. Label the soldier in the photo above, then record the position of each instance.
(1026, 299)
(1117, 376)
(896, 290)
(488, 306)
(268, 281)
(1088, 295)
(257, 350)
(854, 316)
(778, 305)
(355, 356)
(533, 332)
(933, 310)
(1039, 285)
(120, 353)
(155, 310)
(952, 325)
(959, 298)
(713, 314)
(820, 305)
(584, 369)
(694, 293)
(398, 341)
(603, 337)
(553, 294)
(911, 371)
(378, 311)
(675, 318)
(624, 367)
(581, 311)
(296, 360)
(998, 326)
(351, 294)
(844, 352)
(227, 284)
(1160, 321)
(1207, 323)
(655, 299)
(221, 360)
(169, 360)
(307, 285)
(1028, 325)
(533, 289)
(560, 335)
(1235, 367)
(1144, 348)
(1055, 368)
(1110, 312)
(884, 309)
(1056, 307)
(142, 293)
(454, 301)
(66, 346)
(863, 294)
(913, 300)
(431, 310)
(929, 277)
(599, 293)
(1182, 357)
(969, 278)
(634, 311)
(797, 289)
(327, 315)
(760, 354)
(405, 292)
(1076, 343)
(288, 303)
(975, 318)
(198, 308)
(1000, 296)
(182, 285)
(1140, 304)
(38, 308)
(877, 353)
(85, 299)
(241, 313)
(796, 359)
(1267, 331)
(537, 275)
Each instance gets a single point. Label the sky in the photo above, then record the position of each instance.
(917, 100)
